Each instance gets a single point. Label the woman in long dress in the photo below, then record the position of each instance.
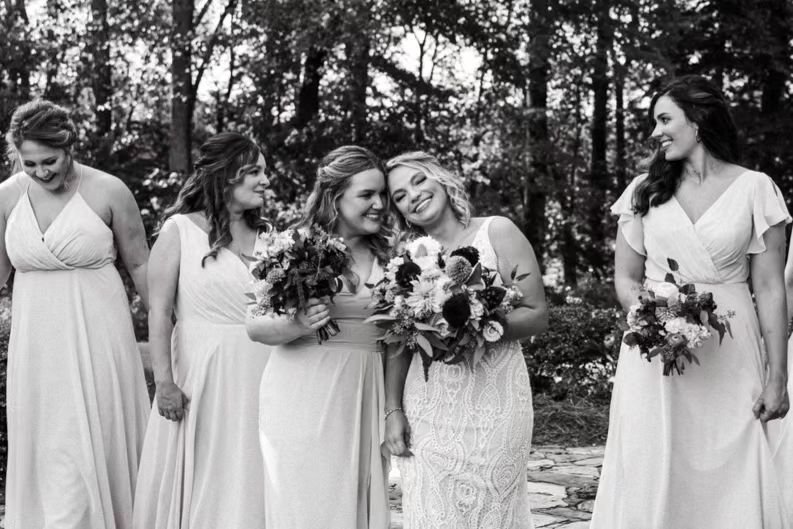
(76, 401)
(463, 435)
(321, 405)
(691, 450)
(201, 466)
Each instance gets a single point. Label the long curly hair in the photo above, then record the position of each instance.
(431, 168)
(704, 105)
(41, 121)
(222, 162)
(333, 178)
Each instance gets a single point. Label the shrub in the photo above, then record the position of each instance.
(577, 355)
(5, 330)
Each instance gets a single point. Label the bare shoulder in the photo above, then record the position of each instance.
(503, 230)
(98, 182)
(10, 190)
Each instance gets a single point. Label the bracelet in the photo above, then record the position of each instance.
(389, 412)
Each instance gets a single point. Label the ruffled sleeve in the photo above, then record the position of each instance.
(628, 223)
(768, 209)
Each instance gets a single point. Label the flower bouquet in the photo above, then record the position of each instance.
(445, 310)
(672, 321)
(294, 265)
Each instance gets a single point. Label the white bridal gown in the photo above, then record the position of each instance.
(686, 452)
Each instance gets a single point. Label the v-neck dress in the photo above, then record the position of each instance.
(685, 451)
(321, 425)
(76, 396)
(205, 471)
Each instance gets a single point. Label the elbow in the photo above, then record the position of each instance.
(542, 320)
(258, 332)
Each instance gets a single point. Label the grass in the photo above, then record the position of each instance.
(569, 422)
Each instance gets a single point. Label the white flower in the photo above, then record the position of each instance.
(427, 263)
(694, 334)
(666, 290)
(477, 309)
(424, 246)
(493, 331)
(421, 300)
(443, 327)
(261, 289)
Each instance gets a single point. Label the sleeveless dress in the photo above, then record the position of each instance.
(686, 452)
(320, 425)
(470, 437)
(77, 400)
(205, 471)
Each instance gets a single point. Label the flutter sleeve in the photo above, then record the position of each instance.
(629, 223)
(768, 209)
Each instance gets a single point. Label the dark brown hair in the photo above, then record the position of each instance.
(41, 121)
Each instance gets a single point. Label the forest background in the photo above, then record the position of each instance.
(541, 106)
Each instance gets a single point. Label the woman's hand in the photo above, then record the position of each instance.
(316, 315)
(397, 434)
(773, 402)
(171, 401)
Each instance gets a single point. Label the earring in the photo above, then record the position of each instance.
(699, 140)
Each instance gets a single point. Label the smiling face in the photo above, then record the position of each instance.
(47, 166)
(362, 204)
(421, 200)
(675, 133)
(249, 192)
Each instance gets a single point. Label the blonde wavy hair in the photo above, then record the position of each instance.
(431, 168)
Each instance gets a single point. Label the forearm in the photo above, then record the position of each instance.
(160, 329)
(138, 275)
(274, 330)
(789, 295)
(771, 311)
(526, 321)
(396, 371)
(628, 291)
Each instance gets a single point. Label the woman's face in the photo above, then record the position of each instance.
(675, 133)
(249, 192)
(420, 199)
(362, 205)
(47, 166)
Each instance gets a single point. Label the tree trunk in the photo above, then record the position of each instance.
(539, 53)
(179, 156)
(598, 179)
(774, 85)
(621, 168)
(101, 78)
(357, 51)
(308, 98)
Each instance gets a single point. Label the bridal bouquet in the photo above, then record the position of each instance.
(294, 265)
(672, 321)
(445, 310)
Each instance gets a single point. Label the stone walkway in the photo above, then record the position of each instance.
(562, 486)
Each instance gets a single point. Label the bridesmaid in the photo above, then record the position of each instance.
(464, 435)
(77, 400)
(692, 450)
(201, 467)
(321, 405)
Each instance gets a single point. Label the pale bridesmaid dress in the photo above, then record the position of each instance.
(471, 428)
(76, 401)
(321, 421)
(686, 452)
(205, 471)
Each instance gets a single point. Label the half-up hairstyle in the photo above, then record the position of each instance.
(41, 121)
(431, 168)
(704, 105)
(333, 178)
(222, 163)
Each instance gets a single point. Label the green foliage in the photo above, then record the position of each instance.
(5, 330)
(577, 355)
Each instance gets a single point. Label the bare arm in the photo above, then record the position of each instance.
(130, 235)
(769, 290)
(277, 330)
(397, 429)
(163, 282)
(789, 283)
(513, 249)
(628, 272)
(9, 195)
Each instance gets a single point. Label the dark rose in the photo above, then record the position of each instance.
(492, 296)
(706, 301)
(407, 272)
(456, 310)
(469, 252)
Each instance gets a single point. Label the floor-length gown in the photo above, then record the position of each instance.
(76, 401)
(470, 437)
(205, 471)
(685, 451)
(320, 424)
